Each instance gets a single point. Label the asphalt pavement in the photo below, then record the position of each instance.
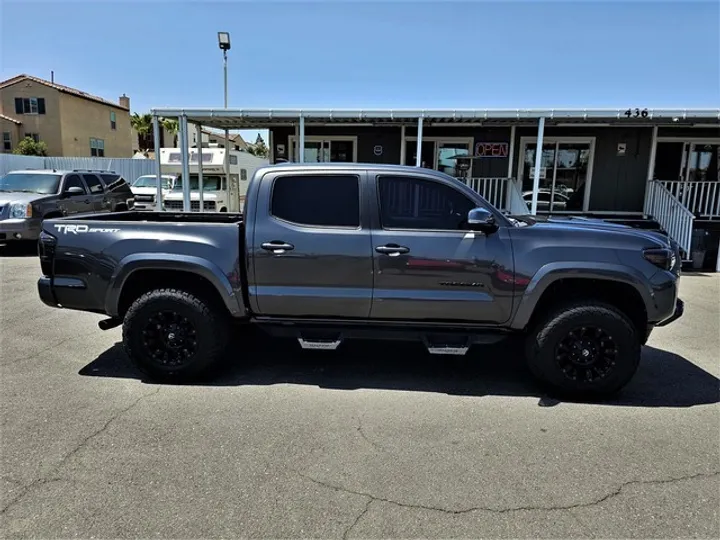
(371, 441)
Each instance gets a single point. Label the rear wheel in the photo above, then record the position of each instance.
(172, 334)
(584, 350)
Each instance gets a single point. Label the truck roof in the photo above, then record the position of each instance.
(60, 171)
(354, 166)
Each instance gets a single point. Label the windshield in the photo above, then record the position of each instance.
(30, 183)
(151, 181)
(211, 182)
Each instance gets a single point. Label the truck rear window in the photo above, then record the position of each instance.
(318, 200)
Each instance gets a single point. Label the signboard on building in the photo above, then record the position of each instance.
(543, 172)
(492, 149)
(621, 149)
(378, 150)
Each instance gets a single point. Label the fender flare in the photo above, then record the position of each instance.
(169, 261)
(552, 272)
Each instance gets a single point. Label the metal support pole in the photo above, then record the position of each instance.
(158, 167)
(403, 149)
(653, 154)
(295, 154)
(418, 159)
(301, 144)
(511, 152)
(185, 160)
(198, 127)
(648, 202)
(226, 161)
(538, 162)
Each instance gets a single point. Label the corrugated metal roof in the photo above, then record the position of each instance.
(256, 118)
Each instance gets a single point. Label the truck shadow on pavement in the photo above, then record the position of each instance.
(664, 379)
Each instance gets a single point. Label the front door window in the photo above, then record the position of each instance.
(563, 174)
(326, 150)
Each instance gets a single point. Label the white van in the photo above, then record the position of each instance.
(217, 195)
(145, 190)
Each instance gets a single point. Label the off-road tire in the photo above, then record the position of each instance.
(545, 337)
(210, 330)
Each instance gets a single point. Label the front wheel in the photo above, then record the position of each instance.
(172, 334)
(584, 350)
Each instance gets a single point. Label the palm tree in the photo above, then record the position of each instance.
(172, 127)
(142, 124)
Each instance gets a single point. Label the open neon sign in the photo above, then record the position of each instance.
(491, 149)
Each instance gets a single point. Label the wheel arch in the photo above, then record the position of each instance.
(620, 287)
(138, 273)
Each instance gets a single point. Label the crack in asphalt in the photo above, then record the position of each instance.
(358, 518)
(610, 495)
(367, 439)
(82, 444)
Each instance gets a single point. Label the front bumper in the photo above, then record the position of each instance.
(679, 310)
(20, 229)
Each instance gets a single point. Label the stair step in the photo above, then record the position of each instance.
(447, 349)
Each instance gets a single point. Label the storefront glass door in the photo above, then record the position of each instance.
(564, 170)
(325, 150)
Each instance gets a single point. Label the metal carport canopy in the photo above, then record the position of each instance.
(258, 118)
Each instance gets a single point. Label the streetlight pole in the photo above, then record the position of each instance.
(224, 44)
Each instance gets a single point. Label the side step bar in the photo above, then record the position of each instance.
(455, 349)
(321, 345)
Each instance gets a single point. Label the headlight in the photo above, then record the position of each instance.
(20, 211)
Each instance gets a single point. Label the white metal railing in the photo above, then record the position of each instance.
(670, 213)
(516, 204)
(494, 190)
(700, 198)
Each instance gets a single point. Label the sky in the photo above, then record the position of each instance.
(372, 54)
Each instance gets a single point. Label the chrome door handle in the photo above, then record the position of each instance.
(392, 249)
(276, 246)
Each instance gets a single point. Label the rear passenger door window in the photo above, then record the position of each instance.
(317, 201)
(93, 183)
(312, 255)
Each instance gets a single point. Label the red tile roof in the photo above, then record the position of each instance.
(61, 88)
(10, 119)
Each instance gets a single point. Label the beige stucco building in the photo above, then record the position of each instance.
(69, 121)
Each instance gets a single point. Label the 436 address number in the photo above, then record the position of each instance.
(636, 113)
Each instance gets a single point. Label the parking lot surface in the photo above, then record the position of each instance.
(374, 440)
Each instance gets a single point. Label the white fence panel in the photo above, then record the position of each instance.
(128, 168)
(12, 162)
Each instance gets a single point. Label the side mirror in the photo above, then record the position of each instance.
(481, 219)
(74, 190)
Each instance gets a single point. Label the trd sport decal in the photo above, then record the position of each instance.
(81, 229)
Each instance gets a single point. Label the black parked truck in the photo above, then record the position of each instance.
(326, 253)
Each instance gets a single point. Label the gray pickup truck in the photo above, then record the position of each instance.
(332, 252)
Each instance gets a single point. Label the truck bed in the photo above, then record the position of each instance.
(161, 217)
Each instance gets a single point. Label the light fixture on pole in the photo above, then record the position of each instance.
(224, 44)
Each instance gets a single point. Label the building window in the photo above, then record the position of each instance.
(97, 147)
(7, 141)
(30, 105)
(295, 199)
(34, 136)
(243, 174)
(233, 160)
(113, 120)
